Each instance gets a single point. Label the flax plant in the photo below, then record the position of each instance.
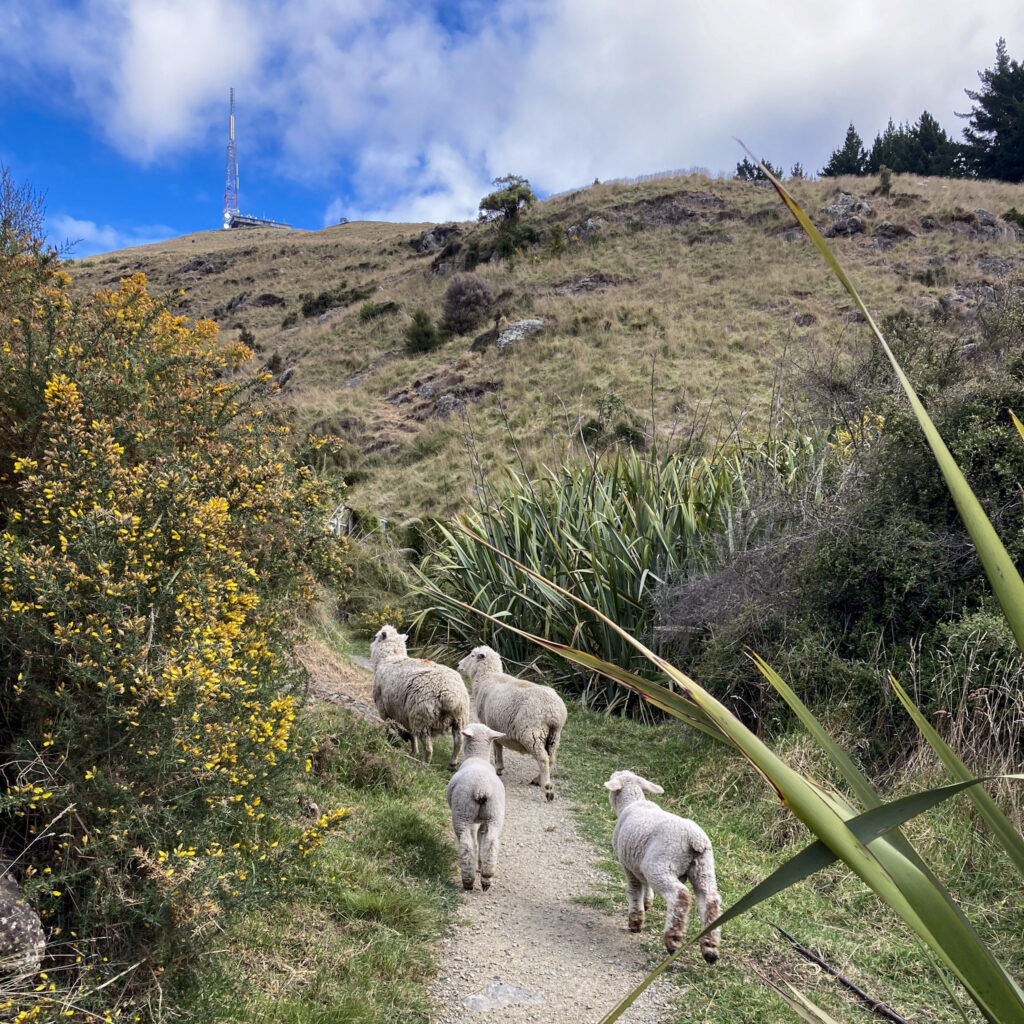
(609, 531)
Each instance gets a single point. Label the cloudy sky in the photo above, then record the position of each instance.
(405, 110)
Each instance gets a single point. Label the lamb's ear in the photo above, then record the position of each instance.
(614, 785)
(650, 787)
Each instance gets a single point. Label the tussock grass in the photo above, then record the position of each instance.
(698, 310)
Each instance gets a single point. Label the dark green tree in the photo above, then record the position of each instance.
(934, 150)
(850, 158)
(920, 148)
(507, 202)
(747, 170)
(994, 137)
(891, 148)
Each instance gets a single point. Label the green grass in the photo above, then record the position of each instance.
(353, 936)
(831, 912)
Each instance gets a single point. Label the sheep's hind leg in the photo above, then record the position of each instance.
(677, 900)
(490, 843)
(648, 897)
(709, 906)
(543, 778)
(635, 891)
(456, 746)
(428, 747)
(467, 846)
(499, 757)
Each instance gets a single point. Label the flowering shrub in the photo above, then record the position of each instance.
(157, 542)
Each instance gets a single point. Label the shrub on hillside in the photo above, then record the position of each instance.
(158, 542)
(420, 334)
(372, 310)
(466, 303)
(333, 298)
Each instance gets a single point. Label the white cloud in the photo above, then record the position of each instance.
(89, 238)
(416, 119)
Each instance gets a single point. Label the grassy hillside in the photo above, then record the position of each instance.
(673, 301)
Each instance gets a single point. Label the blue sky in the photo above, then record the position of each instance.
(402, 110)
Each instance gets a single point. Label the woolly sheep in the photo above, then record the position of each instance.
(420, 696)
(530, 715)
(660, 851)
(477, 799)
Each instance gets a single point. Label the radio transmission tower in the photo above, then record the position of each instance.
(231, 173)
(232, 217)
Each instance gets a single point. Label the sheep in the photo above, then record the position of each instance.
(660, 851)
(420, 696)
(530, 715)
(476, 797)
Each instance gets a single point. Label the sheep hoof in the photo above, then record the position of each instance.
(550, 794)
(673, 942)
(468, 886)
(710, 954)
(485, 883)
(636, 921)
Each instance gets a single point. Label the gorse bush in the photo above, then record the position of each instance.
(158, 540)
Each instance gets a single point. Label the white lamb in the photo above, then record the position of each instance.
(530, 715)
(420, 696)
(477, 799)
(659, 851)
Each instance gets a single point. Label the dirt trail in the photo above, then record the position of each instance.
(572, 962)
(527, 931)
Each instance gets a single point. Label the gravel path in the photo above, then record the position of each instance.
(524, 951)
(527, 932)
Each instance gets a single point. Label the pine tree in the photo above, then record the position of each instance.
(934, 151)
(851, 158)
(994, 146)
(747, 170)
(890, 149)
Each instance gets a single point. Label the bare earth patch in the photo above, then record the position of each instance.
(336, 679)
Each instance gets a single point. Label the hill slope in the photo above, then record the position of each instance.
(664, 304)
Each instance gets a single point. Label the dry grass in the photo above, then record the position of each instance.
(703, 287)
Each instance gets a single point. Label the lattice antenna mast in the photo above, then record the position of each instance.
(231, 172)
